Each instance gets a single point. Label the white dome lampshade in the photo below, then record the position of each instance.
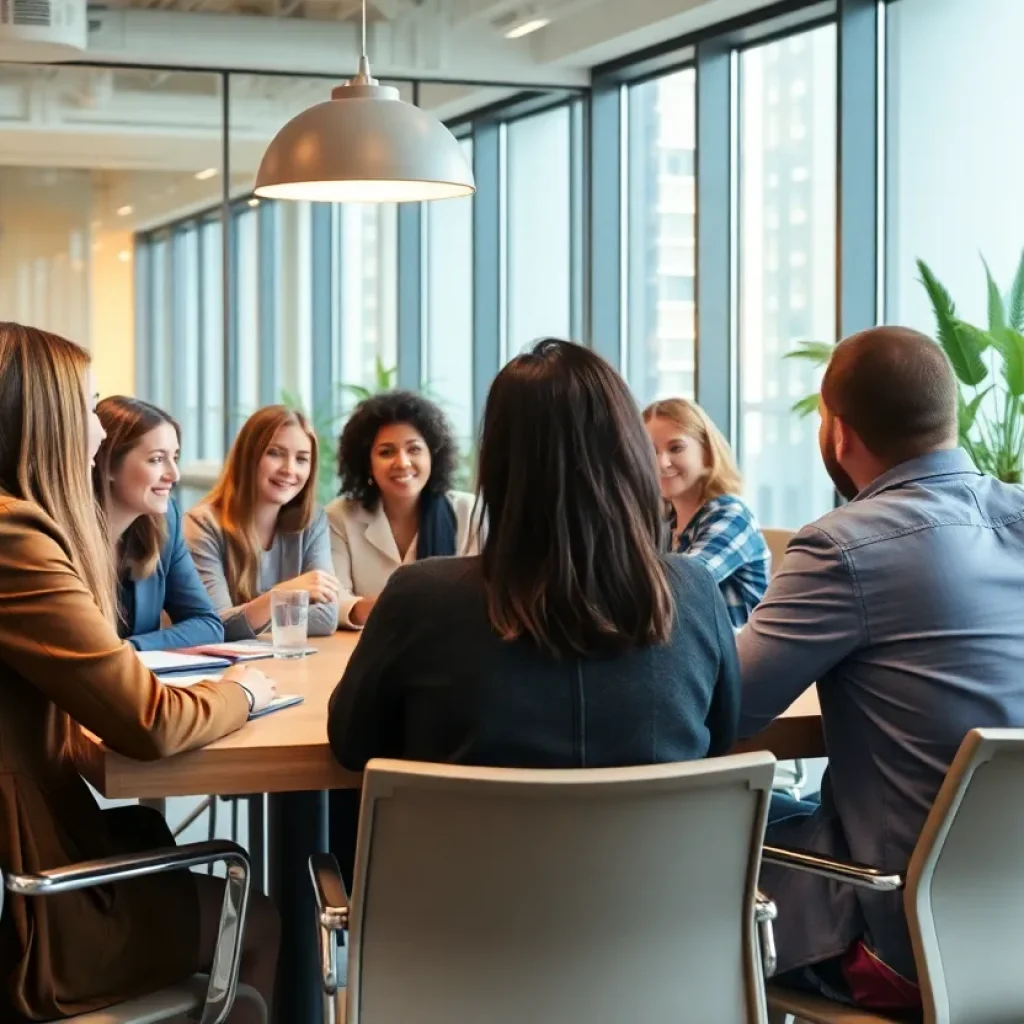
(364, 145)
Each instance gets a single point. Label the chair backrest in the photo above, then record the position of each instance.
(777, 541)
(965, 886)
(594, 896)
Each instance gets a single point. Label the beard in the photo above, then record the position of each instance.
(844, 485)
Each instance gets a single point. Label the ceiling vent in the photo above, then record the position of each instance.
(42, 31)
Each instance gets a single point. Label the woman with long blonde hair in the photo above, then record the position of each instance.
(260, 528)
(62, 665)
(707, 518)
(134, 473)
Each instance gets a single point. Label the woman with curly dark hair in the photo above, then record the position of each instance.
(396, 461)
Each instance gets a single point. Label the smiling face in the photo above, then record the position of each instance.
(682, 460)
(285, 466)
(400, 462)
(142, 483)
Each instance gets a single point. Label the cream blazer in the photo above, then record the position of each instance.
(365, 554)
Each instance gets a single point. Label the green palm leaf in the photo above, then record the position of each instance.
(960, 346)
(967, 412)
(806, 406)
(1015, 304)
(817, 352)
(996, 313)
(1011, 347)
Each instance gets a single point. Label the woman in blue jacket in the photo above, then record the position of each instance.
(134, 472)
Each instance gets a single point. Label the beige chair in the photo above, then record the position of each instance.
(595, 896)
(964, 895)
(207, 1000)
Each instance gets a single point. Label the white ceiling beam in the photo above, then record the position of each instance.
(611, 29)
(298, 46)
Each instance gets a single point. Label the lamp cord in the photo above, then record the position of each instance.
(363, 53)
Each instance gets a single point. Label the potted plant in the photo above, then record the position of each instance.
(989, 368)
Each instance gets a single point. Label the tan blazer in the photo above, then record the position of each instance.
(77, 952)
(365, 554)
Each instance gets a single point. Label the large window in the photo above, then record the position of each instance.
(952, 95)
(448, 287)
(787, 244)
(660, 224)
(539, 228)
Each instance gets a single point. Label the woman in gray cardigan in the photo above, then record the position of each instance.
(259, 529)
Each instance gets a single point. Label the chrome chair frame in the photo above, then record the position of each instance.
(332, 912)
(223, 984)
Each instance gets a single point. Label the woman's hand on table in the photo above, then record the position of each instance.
(259, 689)
(322, 586)
(361, 610)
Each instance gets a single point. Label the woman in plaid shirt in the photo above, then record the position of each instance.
(707, 518)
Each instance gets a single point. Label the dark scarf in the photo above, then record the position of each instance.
(438, 527)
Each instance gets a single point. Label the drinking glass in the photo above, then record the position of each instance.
(289, 618)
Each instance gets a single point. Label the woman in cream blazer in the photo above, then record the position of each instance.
(396, 459)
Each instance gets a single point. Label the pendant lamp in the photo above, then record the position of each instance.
(364, 145)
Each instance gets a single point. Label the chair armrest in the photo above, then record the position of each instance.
(765, 912)
(836, 870)
(331, 913)
(220, 994)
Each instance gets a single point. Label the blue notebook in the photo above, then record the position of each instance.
(285, 700)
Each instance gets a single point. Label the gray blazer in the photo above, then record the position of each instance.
(905, 606)
(291, 555)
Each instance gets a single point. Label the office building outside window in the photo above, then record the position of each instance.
(787, 244)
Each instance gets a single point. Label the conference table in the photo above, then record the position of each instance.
(286, 756)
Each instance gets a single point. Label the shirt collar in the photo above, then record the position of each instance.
(942, 463)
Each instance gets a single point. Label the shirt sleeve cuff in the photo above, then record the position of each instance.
(345, 606)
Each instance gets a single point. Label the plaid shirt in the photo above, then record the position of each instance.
(724, 535)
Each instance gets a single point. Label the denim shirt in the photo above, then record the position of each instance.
(906, 606)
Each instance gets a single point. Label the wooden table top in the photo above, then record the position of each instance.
(287, 751)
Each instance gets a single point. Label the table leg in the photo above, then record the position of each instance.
(258, 840)
(298, 828)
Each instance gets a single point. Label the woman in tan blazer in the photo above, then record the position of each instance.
(396, 460)
(62, 666)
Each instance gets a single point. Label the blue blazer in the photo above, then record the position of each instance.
(174, 587)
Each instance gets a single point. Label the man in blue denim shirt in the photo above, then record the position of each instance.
(905, 606)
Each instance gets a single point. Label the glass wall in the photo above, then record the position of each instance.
(661, 232)
(954, 153)
(787, 246)
(448, 291)
(538, 219)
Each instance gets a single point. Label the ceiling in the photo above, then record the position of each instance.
(152, 137)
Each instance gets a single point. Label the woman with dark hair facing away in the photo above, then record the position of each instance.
(63, 666)
(572, 640)
(260, 529)
(396, 460)
(133, 475)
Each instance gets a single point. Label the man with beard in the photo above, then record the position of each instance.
(904, 607)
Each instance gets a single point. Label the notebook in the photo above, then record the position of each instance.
(239, 650)
(163, 662)
(283, 700)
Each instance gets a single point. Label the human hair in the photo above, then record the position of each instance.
(236, 494)
(569, 490)
(356, 442)
(894, 387)
(44, 446)
(44, 457)
(126, 421)
(723, 476)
